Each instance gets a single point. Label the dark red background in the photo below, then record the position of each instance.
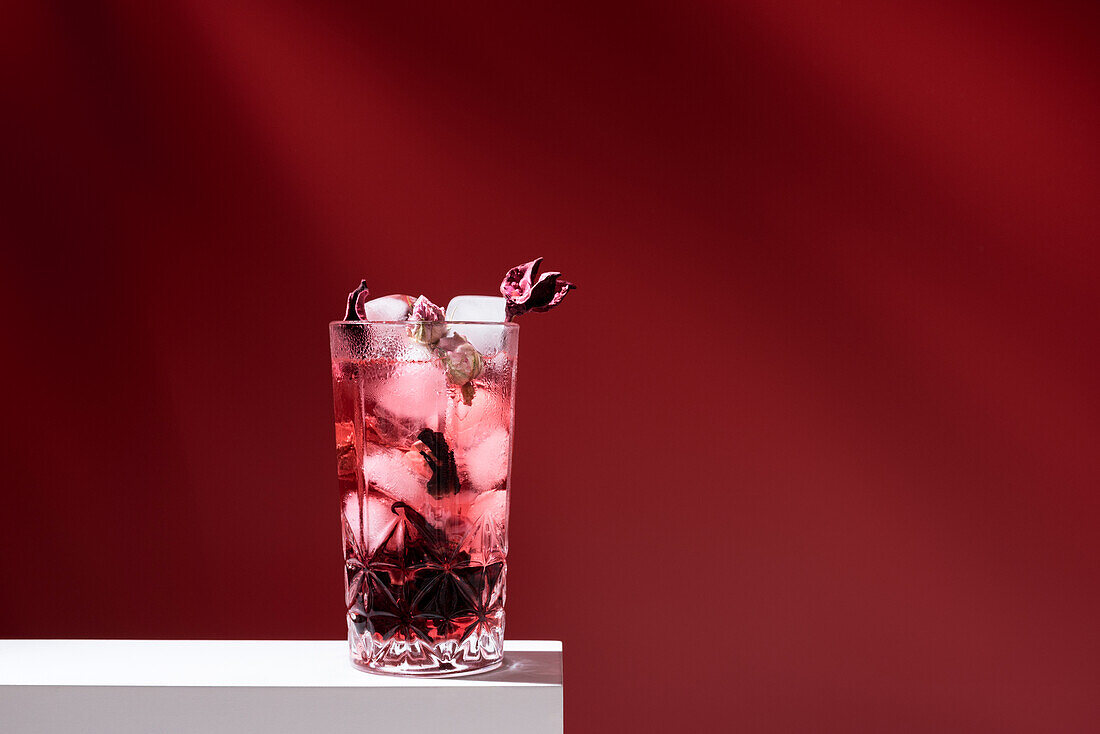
(813, 447)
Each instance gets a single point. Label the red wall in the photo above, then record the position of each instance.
(813, 447)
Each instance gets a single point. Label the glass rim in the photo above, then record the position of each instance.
(505, 324)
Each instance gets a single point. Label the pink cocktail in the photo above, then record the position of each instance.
(424, 417)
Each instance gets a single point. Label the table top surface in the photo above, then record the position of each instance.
(246, 663)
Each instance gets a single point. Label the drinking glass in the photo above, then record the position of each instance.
(424, 464)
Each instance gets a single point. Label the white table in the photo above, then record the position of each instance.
(261, 686)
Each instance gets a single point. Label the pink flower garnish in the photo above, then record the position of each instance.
(522, 293)
(461, 358)
(427, 322)
(425, 310)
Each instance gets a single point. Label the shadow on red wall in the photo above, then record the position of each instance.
(812, 447)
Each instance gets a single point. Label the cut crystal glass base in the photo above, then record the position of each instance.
(423, 604)
(479, 652)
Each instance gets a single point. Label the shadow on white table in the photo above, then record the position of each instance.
(274, 687)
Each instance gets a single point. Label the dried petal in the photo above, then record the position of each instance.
(355, 302)
(417, 459)
(516, 285)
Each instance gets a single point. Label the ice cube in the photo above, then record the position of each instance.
(484, 524)
(468, 424)
(490, 506)
(486, 461)
(414, 391)
(382, 428)
(486, 338)
(378, 520)
(390, 472)
(476, 308)
(388, 308)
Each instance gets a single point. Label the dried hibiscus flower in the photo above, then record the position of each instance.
(355, 302)
(523, 293)
(441, 460)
